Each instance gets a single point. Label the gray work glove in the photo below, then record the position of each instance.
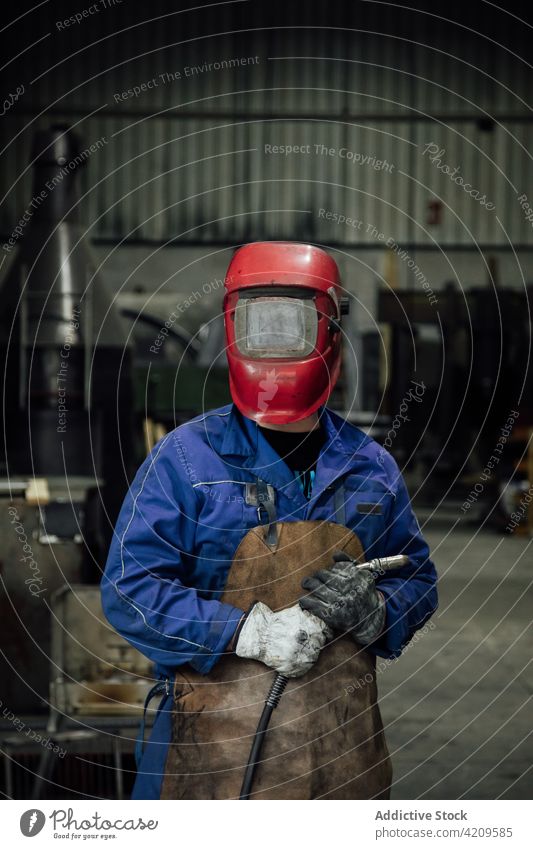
(289, 641)
(346, 599)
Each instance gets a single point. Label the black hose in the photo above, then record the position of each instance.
(272, 701)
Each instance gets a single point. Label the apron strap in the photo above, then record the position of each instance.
(266, 502)
(339, 504)
(161, 688)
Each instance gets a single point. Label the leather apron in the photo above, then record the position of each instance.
(325, 739)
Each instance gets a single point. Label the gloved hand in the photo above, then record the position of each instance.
(346, 598)
(289, 641)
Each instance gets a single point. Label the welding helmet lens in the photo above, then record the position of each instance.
(275, 326)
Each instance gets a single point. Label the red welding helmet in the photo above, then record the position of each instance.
(282, 309)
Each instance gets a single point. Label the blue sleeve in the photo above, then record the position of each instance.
(410, 593)
(144, 588)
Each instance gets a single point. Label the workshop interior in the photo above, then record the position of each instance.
(143, 145)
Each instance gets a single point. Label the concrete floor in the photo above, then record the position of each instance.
(457, 706)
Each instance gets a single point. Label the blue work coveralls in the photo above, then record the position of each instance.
(186, 513)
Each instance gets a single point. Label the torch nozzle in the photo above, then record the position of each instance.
(384, 564)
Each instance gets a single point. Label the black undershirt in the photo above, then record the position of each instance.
(299, 451)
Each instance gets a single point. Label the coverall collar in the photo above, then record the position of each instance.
(243, 439)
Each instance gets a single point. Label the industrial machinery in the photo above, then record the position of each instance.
(68, 364)
(84, 400)
(470, 352)
(66, 414)
(97, 688)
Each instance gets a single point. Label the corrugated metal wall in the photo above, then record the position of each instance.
(185, 160)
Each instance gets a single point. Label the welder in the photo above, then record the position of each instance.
(236, 556)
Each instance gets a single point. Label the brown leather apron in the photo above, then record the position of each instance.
(325, 739)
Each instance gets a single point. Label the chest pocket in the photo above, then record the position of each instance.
(225, 504)
(368, 510)
(219, 529)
